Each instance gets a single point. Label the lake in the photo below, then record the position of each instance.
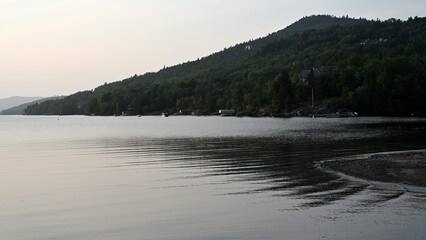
(78, 177)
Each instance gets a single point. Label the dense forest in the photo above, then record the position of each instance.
(372, 67)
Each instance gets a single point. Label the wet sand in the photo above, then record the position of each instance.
(405, 167)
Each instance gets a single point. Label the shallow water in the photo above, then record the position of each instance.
(201, 178)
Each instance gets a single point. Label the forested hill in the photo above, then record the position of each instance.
(373, 67)
(230, 56)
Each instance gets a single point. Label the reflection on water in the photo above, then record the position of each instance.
(208, 178)
(269, 165)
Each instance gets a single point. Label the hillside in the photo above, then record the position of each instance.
(20, 109)
(230, 56)
(373, 67)
(6, 103)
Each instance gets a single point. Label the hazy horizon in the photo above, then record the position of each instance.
(61, 47)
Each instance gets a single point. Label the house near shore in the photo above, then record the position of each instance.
(185, 112)
(129, 112)
(317, 71)
(227, 112)
(346, 113)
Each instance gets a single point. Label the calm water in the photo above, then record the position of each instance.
(201, 178)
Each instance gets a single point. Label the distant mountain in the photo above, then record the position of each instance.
(6, 103)
(20, 109)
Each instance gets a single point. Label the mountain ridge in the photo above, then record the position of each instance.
(13, 101)
(372, 67)
(238, 51)
(20, 109)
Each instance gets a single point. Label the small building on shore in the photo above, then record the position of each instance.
(185, 112)
(346, 113)
(316, 71)
(227, 112)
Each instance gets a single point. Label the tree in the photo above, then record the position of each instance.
(280, 90)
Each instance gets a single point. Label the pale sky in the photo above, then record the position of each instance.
(59, 47)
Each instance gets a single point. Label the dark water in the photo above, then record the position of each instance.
(202, 178)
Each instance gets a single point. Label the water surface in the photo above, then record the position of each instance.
(201, 178)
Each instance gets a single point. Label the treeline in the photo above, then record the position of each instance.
(374, 68)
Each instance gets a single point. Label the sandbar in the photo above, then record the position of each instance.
(401, 167)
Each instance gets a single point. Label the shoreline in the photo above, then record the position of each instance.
(400, 167)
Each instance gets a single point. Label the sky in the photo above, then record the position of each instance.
(59, 47)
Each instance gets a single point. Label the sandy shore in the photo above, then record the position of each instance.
(405, 167)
